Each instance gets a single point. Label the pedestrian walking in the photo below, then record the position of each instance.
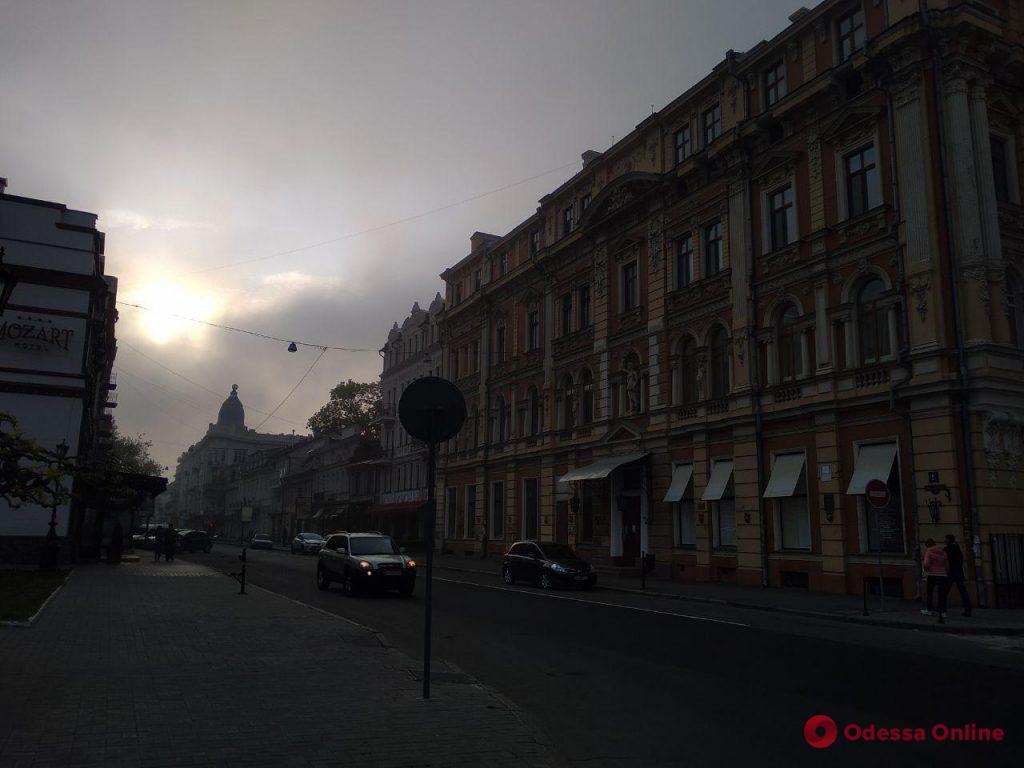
(936, 569)
(955, 557)
(158, 543)
(170, 542)
(116, 543)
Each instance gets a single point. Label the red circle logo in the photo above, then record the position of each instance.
(820, 731)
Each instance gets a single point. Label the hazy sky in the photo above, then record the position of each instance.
(206, 133)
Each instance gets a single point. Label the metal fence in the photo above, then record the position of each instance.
(1008, 569)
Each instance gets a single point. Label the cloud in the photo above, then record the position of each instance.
(300, 281)
(121, 218)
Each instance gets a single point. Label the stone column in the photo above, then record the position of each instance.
(805, 355)
(771, 362)
(892, 323)
(739, 244)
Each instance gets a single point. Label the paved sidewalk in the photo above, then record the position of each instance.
(166, 665)
(905, 614)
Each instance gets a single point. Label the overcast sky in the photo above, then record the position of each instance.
(208, 133)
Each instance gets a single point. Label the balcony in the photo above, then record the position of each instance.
(871, 378)
(716, 407)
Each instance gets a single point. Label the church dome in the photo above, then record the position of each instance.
(232, 414)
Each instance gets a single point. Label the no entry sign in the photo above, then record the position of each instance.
(877, 494)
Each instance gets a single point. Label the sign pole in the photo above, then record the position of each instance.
(876, 497)
(431, 515)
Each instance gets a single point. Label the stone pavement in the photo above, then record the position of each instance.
(159, 665)
(904, 614)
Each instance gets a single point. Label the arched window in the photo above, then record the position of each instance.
(567, 393)
(790, 352)
(1015, 307)
(586, 394)
(533, 412)
(719, 363)
(872, 324)
(684, 387)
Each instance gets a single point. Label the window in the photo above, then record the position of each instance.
(682, 144)
(1000, 167)
(872, 322)
(684, 527)
(781, 217)
(497, 511)
(470, 532)
(568, 393)
(774, 83)
(565, 304)
(532, 331)
(862, 188)
(882, 529)
(531, 508)
(499, 430)
(458, 294)
(475, 357)
(503, 264)
(533, 413)
(585, 202)
(451, 496)
(689, 361)
(1015, 307)
(790, 353)
(474, 425)
(684, 261)
(238, 455)
(712, 124)
(724, 511)
(794, 510)
(534, 242)
(719, 363)
(586, 393)
(630, 288)
(713, 261)
(566, 221)
(850, 30)
(499, 343)
(584, 295)
(478, 279)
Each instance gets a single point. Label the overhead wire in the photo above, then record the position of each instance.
(297, 385)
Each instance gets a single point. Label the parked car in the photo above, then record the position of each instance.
(144, 536)
(547, 564)
(364, 561)
(307, 542)
(194, 541)
(261, 541)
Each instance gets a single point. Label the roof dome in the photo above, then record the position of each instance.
(231, 413)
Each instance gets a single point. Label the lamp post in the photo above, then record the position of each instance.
(51, 548)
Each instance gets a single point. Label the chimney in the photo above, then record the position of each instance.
(799, 13)
(3, 185)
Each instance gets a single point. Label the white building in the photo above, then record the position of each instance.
(56, 349)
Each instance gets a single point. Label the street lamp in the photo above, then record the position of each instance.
(7, 282)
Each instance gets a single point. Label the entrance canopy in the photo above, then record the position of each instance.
(874, 462)
(681, 477)
(600, 468)
(786, 471)
(720, 477)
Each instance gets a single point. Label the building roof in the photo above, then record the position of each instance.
(232, 413)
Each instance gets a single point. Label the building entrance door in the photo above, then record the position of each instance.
(630, 529)
(562, 522)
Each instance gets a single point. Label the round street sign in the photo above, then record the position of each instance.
(877, 494)
(432, 409)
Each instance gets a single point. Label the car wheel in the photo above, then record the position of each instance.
(348, 586)
(507, 575)
(323, 581)
(545, 581)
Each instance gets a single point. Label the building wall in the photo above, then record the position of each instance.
(847, 309)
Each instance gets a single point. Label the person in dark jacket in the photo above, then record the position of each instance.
(116, 543)
(170, 542)
(956, 572)
(158, 543)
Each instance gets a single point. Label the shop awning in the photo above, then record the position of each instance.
(393, 509)
(600, 468)
(720, 476)
(874, 462)
(786, 471)
(681, 477)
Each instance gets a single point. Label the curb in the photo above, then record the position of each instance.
(851, 619)
(35, 616)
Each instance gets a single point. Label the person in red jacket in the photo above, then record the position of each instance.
(936, 570)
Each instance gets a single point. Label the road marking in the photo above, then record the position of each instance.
(595, 602)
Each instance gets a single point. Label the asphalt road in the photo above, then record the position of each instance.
(627, 680)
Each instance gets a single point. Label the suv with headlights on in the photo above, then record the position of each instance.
(364, 562)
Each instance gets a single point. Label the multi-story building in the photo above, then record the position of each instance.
(197, 496)
(803, 274)
(57, 347)
(413, 350)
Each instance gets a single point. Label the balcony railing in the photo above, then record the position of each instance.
(871, 378)
(718, 406)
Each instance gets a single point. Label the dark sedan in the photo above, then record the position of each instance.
(547, 564)
(261, 541)
(194, 541)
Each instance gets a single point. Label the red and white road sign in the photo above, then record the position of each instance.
(877, 494)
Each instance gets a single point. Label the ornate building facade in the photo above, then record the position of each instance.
(802, 275)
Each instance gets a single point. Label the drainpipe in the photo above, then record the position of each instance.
(973, 517)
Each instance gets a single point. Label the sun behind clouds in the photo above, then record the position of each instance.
(165, 300)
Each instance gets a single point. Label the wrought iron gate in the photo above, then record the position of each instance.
(1008, 569)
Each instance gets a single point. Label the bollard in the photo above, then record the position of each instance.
(240, 576)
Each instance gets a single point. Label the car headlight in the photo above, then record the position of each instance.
(410, 563)
(364, 564)
(559, 568)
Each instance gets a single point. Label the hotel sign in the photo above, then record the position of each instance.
(42, 343)
(36, 334)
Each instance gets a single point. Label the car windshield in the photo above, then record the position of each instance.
(377, 545)
(311, 536)
(262, 537)
(559, 552)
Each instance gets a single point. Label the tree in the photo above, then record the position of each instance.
(30, 473)
(352, 404)
(131, 454)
